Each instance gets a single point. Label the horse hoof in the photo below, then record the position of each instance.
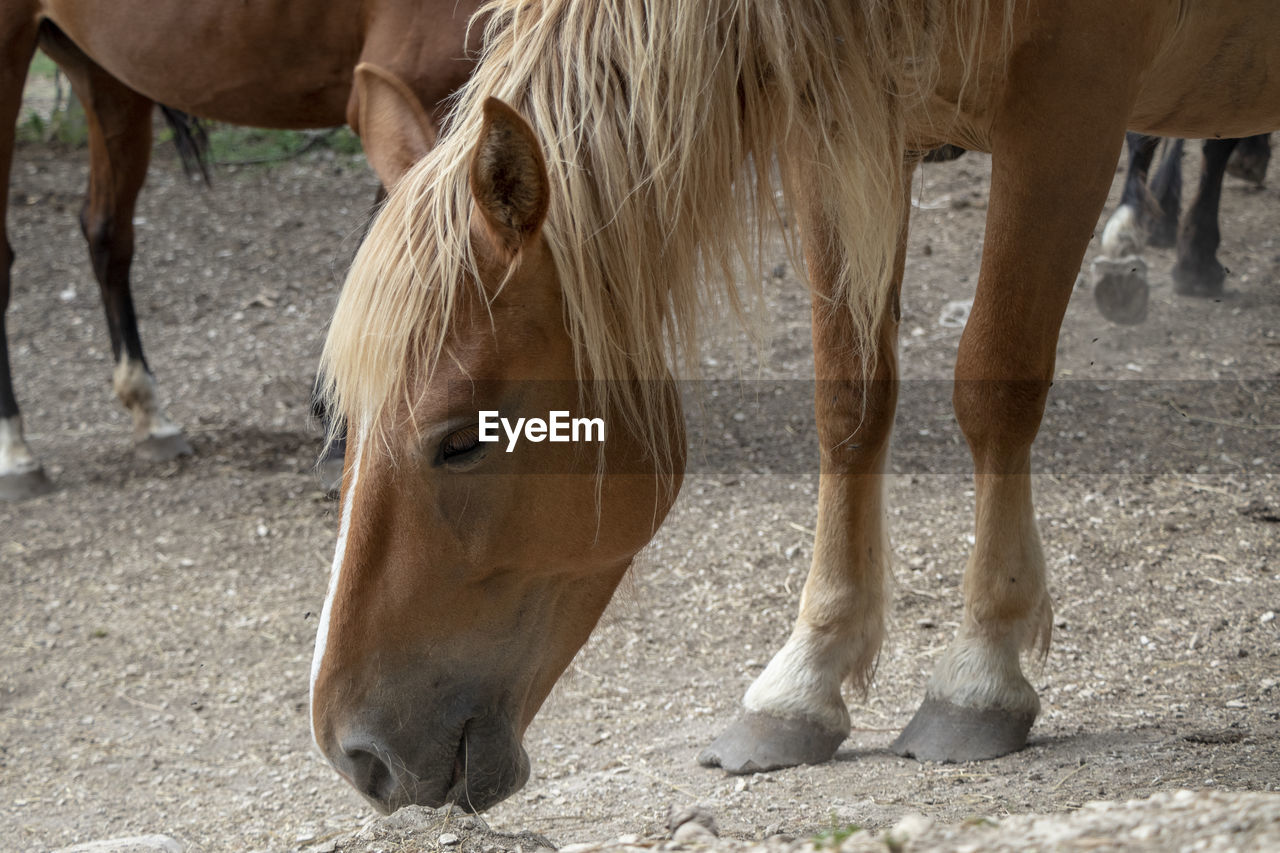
(941, 731)
(162, 448)
(24, 485)
(1204, 282)
(329, 470)
(756, 743)
(1120, 289)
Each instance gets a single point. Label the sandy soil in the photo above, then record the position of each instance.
(161, 617)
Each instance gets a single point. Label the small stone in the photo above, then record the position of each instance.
(447, 839)
(692, 833)
(1269, 616)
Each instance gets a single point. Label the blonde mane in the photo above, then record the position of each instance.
(661, 122)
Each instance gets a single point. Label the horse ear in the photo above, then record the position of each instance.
(394, 127)
(509, 178)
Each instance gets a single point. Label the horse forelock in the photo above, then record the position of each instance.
(661, 123)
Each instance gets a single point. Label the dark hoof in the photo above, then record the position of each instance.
(756, 743)
(26, 485)
(1120, 289)
(1202, 281)
(162, 448)
(329, 470)
(941, 731)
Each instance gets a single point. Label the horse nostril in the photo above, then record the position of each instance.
(371, 776)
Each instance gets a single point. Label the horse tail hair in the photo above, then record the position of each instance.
(192, 141)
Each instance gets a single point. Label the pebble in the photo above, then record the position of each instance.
(447, 839)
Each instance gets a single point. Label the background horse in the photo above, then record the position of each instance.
(550, 254)
(273, 65)
(1150, 213)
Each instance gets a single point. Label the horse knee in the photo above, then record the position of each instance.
(998, 414)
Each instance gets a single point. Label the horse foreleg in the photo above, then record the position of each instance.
(1197, 271)
(21, 475)
(1048, 187)
(794, 712)
(119, 122)
(1119, 273)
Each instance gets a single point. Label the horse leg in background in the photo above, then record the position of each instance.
(794, 712)
(21, 475)
(1046, 196)
(1249, 161)
(1197, 271)
(1120, 287)
(1165, 192)
(119, 148)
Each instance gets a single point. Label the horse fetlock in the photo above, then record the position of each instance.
(1123, 234)
(983, 674)
(803, 680)
(156, 437)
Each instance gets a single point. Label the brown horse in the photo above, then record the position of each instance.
(268, 64)
(550, 254)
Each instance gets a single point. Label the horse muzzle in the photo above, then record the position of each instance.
(474, 763)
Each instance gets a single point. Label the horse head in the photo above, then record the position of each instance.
(469, 572)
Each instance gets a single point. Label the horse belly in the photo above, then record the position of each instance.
(269, 63)
(1219, 76)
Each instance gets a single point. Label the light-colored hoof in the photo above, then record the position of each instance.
(162, 448)
(756, 743)
(1120, 289)
(941, 731)
(25, 485)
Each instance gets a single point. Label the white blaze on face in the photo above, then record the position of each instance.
(322, 634)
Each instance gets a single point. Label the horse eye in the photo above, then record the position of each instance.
(461, 443)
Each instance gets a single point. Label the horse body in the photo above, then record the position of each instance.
(266, 64)
(562, 233)
(277, 64)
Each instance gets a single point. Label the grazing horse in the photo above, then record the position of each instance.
(606, 165)
(1149, 213)
(267, 64)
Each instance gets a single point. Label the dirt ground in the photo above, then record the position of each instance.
(160, 618)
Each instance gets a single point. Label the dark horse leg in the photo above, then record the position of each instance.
(1165, 194)
(21, 475)
(119, 149)
(1197, 271)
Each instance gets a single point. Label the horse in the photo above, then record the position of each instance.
(604, 178)
(268, 65)
(1150, 214)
